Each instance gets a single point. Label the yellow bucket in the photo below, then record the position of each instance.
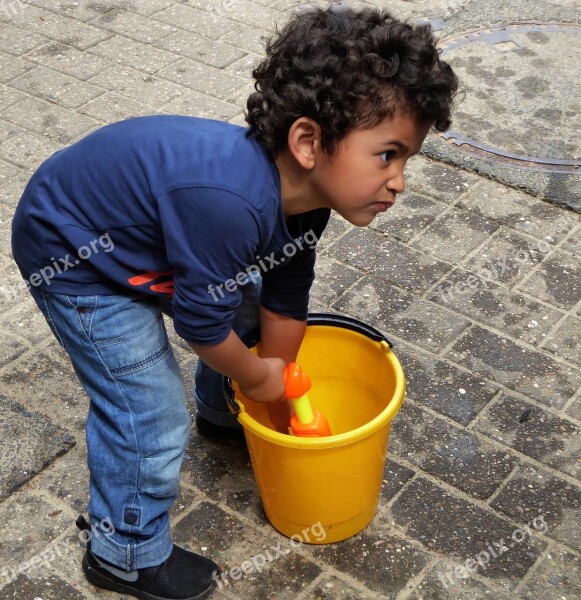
(332, 482)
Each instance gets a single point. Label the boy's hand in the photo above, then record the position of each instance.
(260, 379)
(271, 387)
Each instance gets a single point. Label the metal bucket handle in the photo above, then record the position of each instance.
(332, 320)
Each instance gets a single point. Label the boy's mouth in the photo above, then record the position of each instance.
(383, 206)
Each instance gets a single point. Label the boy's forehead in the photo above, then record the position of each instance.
(402, 127)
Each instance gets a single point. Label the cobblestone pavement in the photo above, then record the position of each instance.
(476, 283)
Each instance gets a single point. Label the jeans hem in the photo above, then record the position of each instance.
(142, 555)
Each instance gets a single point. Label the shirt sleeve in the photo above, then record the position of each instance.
(211, 235)
(285, 290)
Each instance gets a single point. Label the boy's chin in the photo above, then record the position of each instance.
(361, 220)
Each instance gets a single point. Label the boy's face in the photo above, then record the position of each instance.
(364, 175)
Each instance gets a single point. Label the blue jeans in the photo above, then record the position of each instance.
(138, 424)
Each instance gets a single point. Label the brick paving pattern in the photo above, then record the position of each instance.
(476, 284)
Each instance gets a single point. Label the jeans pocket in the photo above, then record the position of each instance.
(85, 307)
(128, 332)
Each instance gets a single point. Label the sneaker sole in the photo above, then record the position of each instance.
(103, 581)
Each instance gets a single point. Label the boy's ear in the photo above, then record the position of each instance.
(304, 141)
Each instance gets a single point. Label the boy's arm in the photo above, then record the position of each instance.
(280, 336)
(260, 379)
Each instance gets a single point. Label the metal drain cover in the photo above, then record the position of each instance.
(522, 95)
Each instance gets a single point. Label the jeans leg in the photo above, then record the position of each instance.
(209, 385)
(138, 424)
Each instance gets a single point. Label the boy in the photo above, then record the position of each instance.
(182, 215)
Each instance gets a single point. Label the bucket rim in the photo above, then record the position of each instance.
(383, 419)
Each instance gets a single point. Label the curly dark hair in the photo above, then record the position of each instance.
(348, 69)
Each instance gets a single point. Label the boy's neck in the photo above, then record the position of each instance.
(297, 196)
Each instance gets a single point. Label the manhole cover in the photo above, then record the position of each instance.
(522, 95)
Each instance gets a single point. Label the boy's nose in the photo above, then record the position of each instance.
(396, 184)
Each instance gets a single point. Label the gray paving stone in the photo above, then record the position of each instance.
(492, 305)
(149, 90)
(333, 588)
(11, 188)
(11, 347)
(398, 313)
(202, 78)
(25, 319)
(451, 454)
(58, 396)
(5, 230)
(509, 256)
(533, 431)
(533, 493)
(56, 27)
(389, 259)
(16, 41)
(9, 97)
(332, 279)
(137, 55)
(241, 10)
(520, 211)
(112, 107)
(573, 242)
(244, 66)
(7, 171)
(56, 87)
(13, 67)
(463, 531)
(395, 476)
(82, 11)
(574, 408)
(437, 180)
(57, 123)
(443, 387)
(411, 214)
(209, 24)
(525, 371)
(69, 60)
(455, 235)
(557, 576)
(565, 341)
(222, 470)
(33, 444)
(47, 588)
(22, 539)
(557, 281)
(132, 25)
(196, 47)
(144, 7)
(384, 561)
(28, 150)
(336, 228)
(228, 541)
(201, 105)
(248, 38)
(451, 582)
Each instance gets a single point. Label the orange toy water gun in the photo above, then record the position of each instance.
(306, 422)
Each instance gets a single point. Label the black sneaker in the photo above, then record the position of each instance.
(212, 431)
(183, 576)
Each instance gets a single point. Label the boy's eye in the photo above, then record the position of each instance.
(388, 155)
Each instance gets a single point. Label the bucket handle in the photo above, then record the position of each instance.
(333, 320)
(347, 323)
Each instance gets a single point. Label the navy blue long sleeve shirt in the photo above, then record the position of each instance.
(172, 206)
